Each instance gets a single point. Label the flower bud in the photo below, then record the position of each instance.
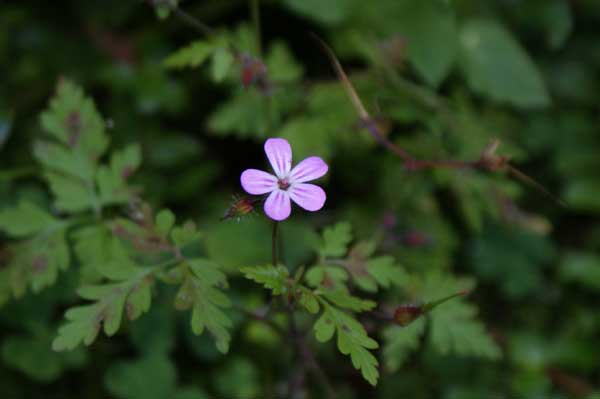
(254, 72)
(407, 313)
(240, 207)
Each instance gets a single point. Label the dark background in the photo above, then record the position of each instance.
(533, 82)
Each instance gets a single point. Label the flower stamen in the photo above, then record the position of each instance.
(283, 184)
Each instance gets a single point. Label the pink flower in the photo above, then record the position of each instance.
(287, 184)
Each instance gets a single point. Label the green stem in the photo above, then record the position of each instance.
(190, 20)
(430, 305)
(274, 259)
(255, 11)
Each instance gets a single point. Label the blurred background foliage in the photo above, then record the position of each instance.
(442, 79)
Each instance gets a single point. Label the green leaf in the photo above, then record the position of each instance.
(208, 271)
(336, 239)
(582, 268)
(132, 295)
(429, 28)
(71, 195)
(70, 161)
(33, 356)
(74, 121)
(367, 274)
(221, 63)
(272, 277)
(342, 298)
(386, 272)
(26, 219)
(191, 56)
(165, 220)
(64, 160)
(496, 66)
(327, 276)
(102, 254)
(238, 378)
(309, 135)
(512, 258)
(34, 262)
(151, 377)
(244, 115)
(207, 303)
(324, 327)
(400, 341)
(583, 193)
(185, 234)
(352, 340)
(125, 161)
(309, 300)
(112, 180)
(454, 327)
(282, 67)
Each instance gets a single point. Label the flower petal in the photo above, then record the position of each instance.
(278, 206)
(257, 182)
(309, 169)
(279, 153)
(308, 196)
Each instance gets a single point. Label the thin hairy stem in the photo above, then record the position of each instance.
(308, 358)
(274, 258)
(196, 24)
(488, 161)
(255, 11)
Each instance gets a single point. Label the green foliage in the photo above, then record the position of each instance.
(36, 261)
(430, 32)
(352, 340)
(326, 275)
(581, 268)
(199, 293)
(343, 299)
(73, 120)
(272, 277)
(496, 66)
(385, 271)
(336, 240)
(367, 272)
(151, 376)
(33, 356)
(513, 259)
(440, 79)
(256, 111)
(238, 379)
(192, 55)
(131, 294)
(452, 327)
(400, 342)
(112, 179)
(26, 219)
(70, 161)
